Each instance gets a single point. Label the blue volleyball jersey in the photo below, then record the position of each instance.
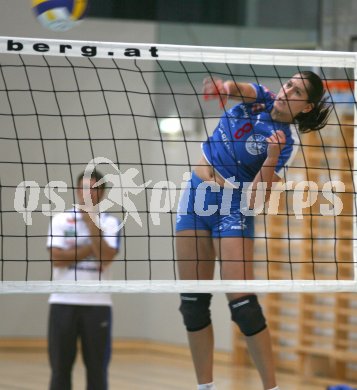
(238, 147)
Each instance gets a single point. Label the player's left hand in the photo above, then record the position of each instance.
(276, 144)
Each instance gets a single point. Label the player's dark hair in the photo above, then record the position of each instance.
(94, 175)
(317, 118)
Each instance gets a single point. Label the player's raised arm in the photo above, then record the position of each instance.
(214, 88)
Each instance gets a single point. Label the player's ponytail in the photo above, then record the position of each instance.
(318, 117)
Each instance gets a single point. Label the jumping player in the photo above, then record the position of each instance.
(254, 143)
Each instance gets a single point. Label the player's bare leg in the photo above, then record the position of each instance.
(235, 254)
(196, 260)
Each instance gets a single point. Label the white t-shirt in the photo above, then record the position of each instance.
(67, 230)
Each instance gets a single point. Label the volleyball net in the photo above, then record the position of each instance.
(136, 113)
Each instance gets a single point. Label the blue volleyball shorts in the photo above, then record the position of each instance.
(207, 206)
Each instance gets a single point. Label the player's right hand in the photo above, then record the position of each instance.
(214, 88)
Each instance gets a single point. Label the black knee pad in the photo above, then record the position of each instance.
(248, 315)
(195, 309)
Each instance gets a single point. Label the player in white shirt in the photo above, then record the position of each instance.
(80, 250)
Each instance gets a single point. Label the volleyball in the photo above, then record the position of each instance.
(59, 15)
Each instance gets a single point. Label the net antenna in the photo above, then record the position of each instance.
(135, 111)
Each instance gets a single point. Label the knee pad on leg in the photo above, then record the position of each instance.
(248, 315)
(195, 309)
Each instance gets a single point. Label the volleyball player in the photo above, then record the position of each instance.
(255, 142)
(80, 250)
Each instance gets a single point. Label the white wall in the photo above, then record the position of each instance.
(142, 316)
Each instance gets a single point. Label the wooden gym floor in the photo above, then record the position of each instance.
(137, 366)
